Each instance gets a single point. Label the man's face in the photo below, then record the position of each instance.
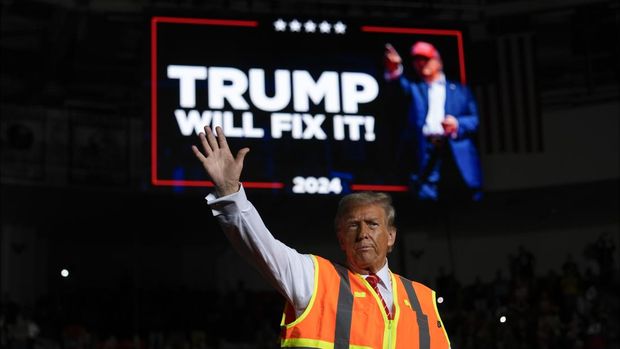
(427, 68)
(365, 237)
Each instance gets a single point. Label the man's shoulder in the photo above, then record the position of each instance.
(457, 86)
(325, 263)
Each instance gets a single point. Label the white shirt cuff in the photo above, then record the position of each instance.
(228, 204)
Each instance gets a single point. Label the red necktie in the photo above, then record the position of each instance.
(373, 280)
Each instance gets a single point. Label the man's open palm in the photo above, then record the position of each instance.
(223, 169)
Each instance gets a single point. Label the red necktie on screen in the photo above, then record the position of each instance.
(373, 280)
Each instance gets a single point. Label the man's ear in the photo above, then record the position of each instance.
(340, 240)
(391, 238)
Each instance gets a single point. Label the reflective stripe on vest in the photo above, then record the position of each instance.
(424, 334)
(344, 312)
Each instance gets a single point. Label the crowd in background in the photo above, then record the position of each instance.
(575, 307)
(570, 308)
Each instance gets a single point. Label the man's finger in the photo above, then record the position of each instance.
(211, 139)
(205, 144)
(198, 154)
(221, 139)
(241, 155)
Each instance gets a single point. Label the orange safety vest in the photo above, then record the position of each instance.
(345, 312)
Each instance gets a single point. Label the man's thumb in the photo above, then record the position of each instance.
(241, 155)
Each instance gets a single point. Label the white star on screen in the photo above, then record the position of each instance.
(310, 27)
(325, 27)
(295, 25)
(279, 25)
(340, 28)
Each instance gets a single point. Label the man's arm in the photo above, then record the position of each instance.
(290, 272)
(469, 122)
(465, 124)
(393, 63)
(397, 85)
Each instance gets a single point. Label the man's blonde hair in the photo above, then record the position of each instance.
(366, 198)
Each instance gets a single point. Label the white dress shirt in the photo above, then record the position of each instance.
(289, 271)
(436, 107)
(436, 102)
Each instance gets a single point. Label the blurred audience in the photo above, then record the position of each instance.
(569, 308)
(575, 307)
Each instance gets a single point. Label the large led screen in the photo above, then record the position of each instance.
(306, 95)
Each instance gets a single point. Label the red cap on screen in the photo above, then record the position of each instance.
(424, 49)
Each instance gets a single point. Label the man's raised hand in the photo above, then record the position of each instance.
(223, 169)
(392, 59)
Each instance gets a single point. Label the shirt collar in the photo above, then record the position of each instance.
(383, 274)
(440, 81)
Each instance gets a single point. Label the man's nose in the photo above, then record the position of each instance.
(363, 231)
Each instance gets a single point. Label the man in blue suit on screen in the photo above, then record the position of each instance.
(442, 123)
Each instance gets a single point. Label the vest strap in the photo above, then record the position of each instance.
(422, 319)
(344, 312)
